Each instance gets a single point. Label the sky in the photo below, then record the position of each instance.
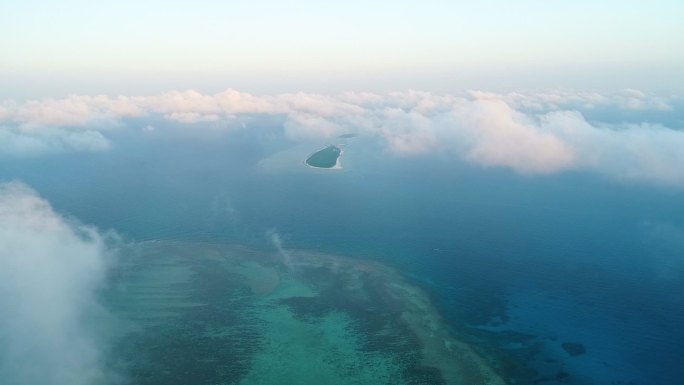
(536, 87)
(141, 47)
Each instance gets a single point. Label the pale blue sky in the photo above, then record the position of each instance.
(143, 46)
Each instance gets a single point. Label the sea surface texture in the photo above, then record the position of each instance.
(239, 264)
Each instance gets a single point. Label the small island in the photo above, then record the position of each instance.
(325, 158)
(347, 136)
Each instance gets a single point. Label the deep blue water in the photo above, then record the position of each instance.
(522, 263)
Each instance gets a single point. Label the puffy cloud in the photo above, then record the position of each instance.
(645, 152)
(501, 136)
(50, 269)
(321, 105)
(75, 110)
(75, 123)
(304, 125)
(540, 132)
(642, 152)
(16, 141)
(409, 133)
(627, 99)
(176, 102)
(78, 110)
(192, 117)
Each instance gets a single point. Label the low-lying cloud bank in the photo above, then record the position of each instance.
(535, 133)
(49, 272)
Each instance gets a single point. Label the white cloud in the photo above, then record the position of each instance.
(16, 141)
(305, 125)
(49, 271)
(191, 117)
(628, 99)
(645, 152)
(501, 136)
(539, 132)
(75, 110)
(408, 133)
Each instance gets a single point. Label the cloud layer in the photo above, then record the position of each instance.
(533, 133)
(49, 271)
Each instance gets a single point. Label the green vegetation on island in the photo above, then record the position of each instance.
(325, 158)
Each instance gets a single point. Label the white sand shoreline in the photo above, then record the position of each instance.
(338, 162)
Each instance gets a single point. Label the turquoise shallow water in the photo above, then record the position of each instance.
(516, 265)
(205, 313)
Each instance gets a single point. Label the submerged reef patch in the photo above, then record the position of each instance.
(574, 349)
(213, 313)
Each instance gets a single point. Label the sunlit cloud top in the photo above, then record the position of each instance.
(531, 134)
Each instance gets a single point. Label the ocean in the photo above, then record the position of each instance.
(573, 278)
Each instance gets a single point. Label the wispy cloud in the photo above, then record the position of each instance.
(49, 271)
(530, 133)
(274, 238)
